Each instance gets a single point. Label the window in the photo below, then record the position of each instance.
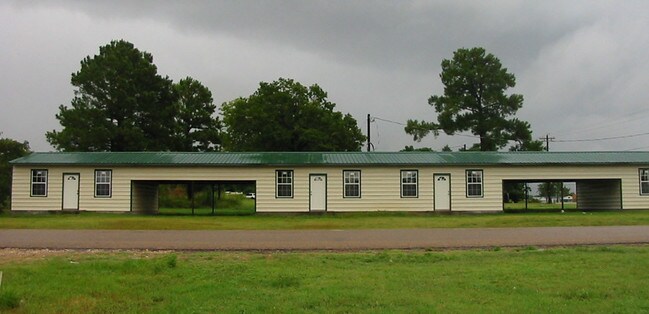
(409, 183)
(644, 181)
(39, 182)
(284, 183)
(352, 183)
(474, 183)
(103, 183)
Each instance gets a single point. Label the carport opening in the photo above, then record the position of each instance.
(196, 197)
(562, 195)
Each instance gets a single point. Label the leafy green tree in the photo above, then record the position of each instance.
(474, 100)
(198, 128)
(410, 148)
(285, 115)
(120, 104)
(552, 189)
(522, 135)
(9, 150)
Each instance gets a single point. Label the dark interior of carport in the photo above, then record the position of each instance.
(591, 194)
(145, 195)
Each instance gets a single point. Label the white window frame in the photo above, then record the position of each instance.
(474, 177)
(348, 177)
(407, 175)
(103, 177)
(644, 178)
(35, 174)
(284, 178)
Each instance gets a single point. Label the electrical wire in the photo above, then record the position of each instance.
(637, 148)
(399, 123)
(601, 138)
(616, 121)
(374, 118)
(390, 121)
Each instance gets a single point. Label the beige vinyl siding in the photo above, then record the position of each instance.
(119, 200)
(380, 186)
(21, 187)
(380, 190)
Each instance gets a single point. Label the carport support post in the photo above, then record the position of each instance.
(561, 194)
(212, 197)
(191, 187)
(526, 195)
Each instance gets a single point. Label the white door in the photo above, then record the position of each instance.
(71, 191)
(318, 192)
(442, 191)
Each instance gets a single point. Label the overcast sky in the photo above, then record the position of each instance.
(582, 66)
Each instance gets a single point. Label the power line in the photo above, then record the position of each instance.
(546, 138)
(399, 123)
(637, 148)
(601, 138)
(609, 122)
(386, 120)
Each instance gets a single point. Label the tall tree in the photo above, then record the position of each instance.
(120, 104)
(474, 100)
(287, 116)
(198, 128)
(410, 148)
(9, 150)
(551, 190)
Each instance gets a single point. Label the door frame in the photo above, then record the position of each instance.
(450, 200)
(63, 190)
(325, 191)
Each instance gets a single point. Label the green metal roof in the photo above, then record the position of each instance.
(333, 158)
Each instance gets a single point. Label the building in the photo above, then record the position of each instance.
(334, 181)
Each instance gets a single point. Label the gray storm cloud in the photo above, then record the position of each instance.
(581, 65)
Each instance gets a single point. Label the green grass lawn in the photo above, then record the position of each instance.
(560, 280)
(539, 206)
(376, 220)
(228, 204)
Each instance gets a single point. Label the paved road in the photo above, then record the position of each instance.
(321, 239)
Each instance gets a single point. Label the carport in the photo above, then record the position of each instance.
(592, 194)
(145, 195)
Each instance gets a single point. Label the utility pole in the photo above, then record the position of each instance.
(547, 139)
(368, 132)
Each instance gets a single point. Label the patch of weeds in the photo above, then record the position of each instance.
(528, 248)
(496, 248)
(583, 295)
(8, 299)
(430, 257)
(611, 249)
(172, 260)
(606, 249)
(382, 256)
(157, 268)
(285, 281)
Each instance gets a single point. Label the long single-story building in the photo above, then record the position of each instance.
(331, 181)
